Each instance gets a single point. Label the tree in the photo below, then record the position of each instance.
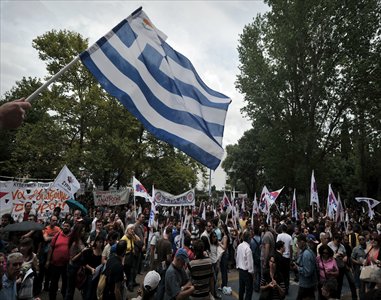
(304, 82)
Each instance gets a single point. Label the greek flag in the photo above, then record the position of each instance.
(160, 87)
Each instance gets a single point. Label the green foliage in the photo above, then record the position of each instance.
(309, 75)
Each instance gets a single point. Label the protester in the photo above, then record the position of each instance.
(14, 263)
(177, 283)
(327, 268)
(245, 266)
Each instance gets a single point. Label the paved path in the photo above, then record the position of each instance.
(233, 283)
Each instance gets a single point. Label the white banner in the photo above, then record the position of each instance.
(66, 182)
(166, 199)
(44, 198)
(111, 198)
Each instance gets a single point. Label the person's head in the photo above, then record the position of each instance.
(28, 207)
(32, 217)
(181, 258)
(26, 246)
(209, 226)
(362, 240)
(99, 242)
(77, 233)
(6, 219)
(121, 247)
(130, 229)
(213, 238)
(198, 248)
(98, 224)
(14, 263)
(66, 227)
(246, 237)
(324, 238)
(53, 220)
(337, 239)
(377, 241)
(187, 241)
(205, 240)
(279, 246)
(151, 281)
(57, 211)
(141, 218)
(325, 252)
(77, 215)
(301, 241)
(98, 214)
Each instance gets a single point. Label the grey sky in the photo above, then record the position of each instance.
(207, 32)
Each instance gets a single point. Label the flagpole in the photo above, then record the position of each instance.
(51, 80)
(210, 183)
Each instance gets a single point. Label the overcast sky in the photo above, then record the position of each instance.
(207, 32)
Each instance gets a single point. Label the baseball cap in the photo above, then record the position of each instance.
(311, 238)
(151, 280)
(183, 255)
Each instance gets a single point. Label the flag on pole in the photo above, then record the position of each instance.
(139, 189)
(160, 87)
(243, 205)
(203, 216)
(66, 182)
(314, 193)
(294, 208)
(263, 204)
(372, 202)
(272, 196)
(225, 201)
(332, 202)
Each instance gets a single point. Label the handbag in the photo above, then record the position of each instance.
(371, 273)
(266, 294)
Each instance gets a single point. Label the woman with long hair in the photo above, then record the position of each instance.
(76, 249)
(272, 284)
(327, 267)
(214, 257)
(92, 258)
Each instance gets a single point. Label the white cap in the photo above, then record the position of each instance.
(151, 281)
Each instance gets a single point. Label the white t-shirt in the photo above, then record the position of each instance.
(287, 239)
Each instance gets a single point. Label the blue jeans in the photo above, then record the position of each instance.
(71, 277)
(224, 269)
(257, 278)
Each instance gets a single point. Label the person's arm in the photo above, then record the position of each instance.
(185, 291)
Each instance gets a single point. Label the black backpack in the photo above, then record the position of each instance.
(257, 252)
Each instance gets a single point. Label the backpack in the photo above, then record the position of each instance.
(257, 252)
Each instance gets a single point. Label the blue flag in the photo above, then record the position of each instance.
(160, 87)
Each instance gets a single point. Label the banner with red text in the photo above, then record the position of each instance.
(14, 195)
(111, 198)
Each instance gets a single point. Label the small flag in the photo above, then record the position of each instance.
(160, 87)
(372, 202)
(255, 210)
(272, 196)
(340, 210)
(139, 189)
(314, 193)
(263, 203)
(294, 208)
(153, 208)
(66, 182)
(331, 203)
(203, 216)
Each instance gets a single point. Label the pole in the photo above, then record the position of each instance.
(42, 88)
(210, 183)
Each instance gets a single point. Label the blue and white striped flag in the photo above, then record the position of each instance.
(160, 87)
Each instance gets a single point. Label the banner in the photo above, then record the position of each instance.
(166, 199)
(44, 198)
(111, 198)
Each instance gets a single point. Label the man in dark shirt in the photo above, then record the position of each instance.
(114, 273)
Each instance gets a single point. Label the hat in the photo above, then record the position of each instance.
(151, 281)
(183, 255)
(311, 238)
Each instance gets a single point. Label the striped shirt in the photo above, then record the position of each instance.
(201, 271)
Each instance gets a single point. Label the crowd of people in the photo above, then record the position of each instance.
(187, 254)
